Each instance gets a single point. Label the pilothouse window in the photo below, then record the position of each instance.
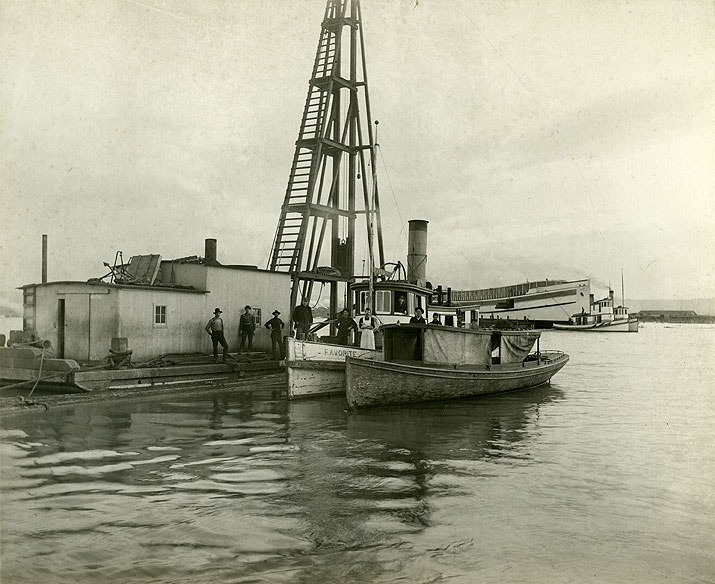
(383, 302)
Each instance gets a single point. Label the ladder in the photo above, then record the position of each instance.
(292, 231)
(315, 237)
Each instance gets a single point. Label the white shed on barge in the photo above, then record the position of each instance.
(163, 313)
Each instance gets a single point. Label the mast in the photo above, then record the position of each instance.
(371, 225)
(315, 236)
(623, 296)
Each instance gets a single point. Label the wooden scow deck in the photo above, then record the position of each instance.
(28, 366)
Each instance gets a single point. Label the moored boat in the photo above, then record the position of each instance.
(424, 362)
(602, 317)
(318, 368)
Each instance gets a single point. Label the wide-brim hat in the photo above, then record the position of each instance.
(276, 312)
(217, 311)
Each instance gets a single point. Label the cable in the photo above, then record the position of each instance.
(39, 372)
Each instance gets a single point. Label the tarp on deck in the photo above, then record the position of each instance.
(515, 346)
(457, 346)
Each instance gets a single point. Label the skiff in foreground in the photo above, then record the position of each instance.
(424, 362)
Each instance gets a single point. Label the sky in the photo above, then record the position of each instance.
(540, 139)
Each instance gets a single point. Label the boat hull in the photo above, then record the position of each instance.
(616, 326)
(375, 383)
(316, 369)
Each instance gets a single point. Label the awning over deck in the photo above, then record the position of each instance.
(515, 346)
(455, 346)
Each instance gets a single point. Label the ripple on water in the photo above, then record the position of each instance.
(603, 476)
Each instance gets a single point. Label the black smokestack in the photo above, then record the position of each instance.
(210, 251)
(44, 258)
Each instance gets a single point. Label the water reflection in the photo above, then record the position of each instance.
(598, 474)
(240, 476)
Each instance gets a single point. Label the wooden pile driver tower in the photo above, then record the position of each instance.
(333, 161)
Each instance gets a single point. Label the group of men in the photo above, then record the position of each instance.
(303, 319)
(246, 330)
(302, 316)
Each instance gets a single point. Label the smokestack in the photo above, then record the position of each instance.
(210, 251)
(417, 252)
(44, 258)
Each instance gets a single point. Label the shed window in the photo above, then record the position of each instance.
(160, 315)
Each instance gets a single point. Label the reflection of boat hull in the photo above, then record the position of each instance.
(373, 383)
(617, 326)
(319, 368)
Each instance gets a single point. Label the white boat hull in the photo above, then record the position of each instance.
(614, 326)
(316, 369)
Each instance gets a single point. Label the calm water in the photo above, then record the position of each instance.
(604, 476)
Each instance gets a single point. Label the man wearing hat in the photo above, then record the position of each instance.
(276, 327)
(215, 330)
(246, 328)
(418, 318)
(303, 319)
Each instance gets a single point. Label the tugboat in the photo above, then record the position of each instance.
(603, 317)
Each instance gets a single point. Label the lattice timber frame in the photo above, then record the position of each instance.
(330, 164)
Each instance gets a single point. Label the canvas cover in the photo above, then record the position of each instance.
(457, 346)
(515, 346)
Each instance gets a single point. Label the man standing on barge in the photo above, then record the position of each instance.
(275, 325)
(215, 330)
(246, 328)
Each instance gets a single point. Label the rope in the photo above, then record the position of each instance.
(322, 285)
(394, 199)
(39, 372)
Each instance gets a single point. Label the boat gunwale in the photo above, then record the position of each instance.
(503, 371)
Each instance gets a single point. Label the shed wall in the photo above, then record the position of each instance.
(183, 331)
(91, 318)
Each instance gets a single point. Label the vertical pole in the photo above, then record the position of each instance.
(623, 294)
(44, 258)
(352, 142)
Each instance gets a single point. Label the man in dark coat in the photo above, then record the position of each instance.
(246, 328)
(215, 330)
(344, 324)
(303, 318)
(276, 327)
(418, 318)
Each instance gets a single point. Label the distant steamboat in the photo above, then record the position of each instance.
(542, 303)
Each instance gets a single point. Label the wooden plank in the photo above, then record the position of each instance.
(315, 381)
